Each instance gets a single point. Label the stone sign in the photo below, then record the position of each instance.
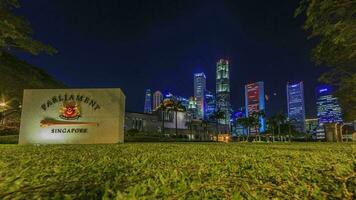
(72, 116)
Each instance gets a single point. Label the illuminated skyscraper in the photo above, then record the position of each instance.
(148, 102)
(328, 108)
(199, 92)
(295, 103)
(192, 108)
(223, 89)
(157, 99)
(210, 104)
(255, 102)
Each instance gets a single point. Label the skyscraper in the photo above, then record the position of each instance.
(255, 102)
(328, 108)
(199, 92)
(223, 89)
(210, 104)
(192, 108)
(157, 99)
(148, 102)
(295, 105)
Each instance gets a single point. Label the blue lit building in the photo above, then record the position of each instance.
(183, 101)
(328, 108)
(223, 89)
(295, 105)
(199, 93)
(148, 102)
(210, 104)
(238, 129)
(255, 102)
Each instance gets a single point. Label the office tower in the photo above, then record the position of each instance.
(210, 104)
(255, 102)
(157, 99)
(295, 105)
(183, 101)
(328, 108)
(223, 89)
(192, 108)
(148, 102)
(199, 92)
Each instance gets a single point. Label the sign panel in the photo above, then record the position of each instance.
(72, 116)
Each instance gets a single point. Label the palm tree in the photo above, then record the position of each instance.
(280, 119)
(204, 124)
(245, 122)
(272, 123)
(163, 107)
(176, 106)
(216, 116)
(256, 122)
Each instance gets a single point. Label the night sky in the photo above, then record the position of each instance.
(159, 44)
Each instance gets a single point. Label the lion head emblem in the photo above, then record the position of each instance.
(69, 110)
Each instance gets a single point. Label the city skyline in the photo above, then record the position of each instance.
(99, 49)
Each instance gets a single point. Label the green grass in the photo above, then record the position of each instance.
(179, 171)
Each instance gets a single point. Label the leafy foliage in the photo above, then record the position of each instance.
(178, 171)
(333, 22)
(16, 75)
(15, 31)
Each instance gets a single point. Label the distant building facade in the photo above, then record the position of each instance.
(210, 104)
(157, 99)
(295, 105)
(183, 101)
(255, 102)
(238, 129)
(223, 89)
(152, 124)
(199, 92)
(148, 102)
(192, 108)
(311, 126)
(328, 108)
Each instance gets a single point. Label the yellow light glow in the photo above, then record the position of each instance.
(3, 104)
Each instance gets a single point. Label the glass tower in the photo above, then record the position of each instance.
(255, 102)
(328, 108)
(295, 105)
(210, 104)
(199, 92)
(148, 102)
(223, 89)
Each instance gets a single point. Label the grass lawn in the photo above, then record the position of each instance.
(179, 171)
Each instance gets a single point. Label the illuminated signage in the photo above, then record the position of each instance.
(72, 116)
(323, 90)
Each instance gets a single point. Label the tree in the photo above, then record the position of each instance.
(272, 124)
(216, 116)
(175, 106)
(280, 121)
(163, 107)
(256, 122)
(333, 23)
(245, 122)
(15, 35)
(204, 124)
(15, 32)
